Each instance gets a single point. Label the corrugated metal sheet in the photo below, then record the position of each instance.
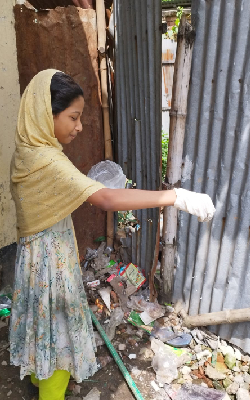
(176, 3)
(74, 51)
(138, 108)
(213, 260)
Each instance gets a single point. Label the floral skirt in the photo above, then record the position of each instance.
(50, 327)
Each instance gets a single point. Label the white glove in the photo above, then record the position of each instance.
(198, 204)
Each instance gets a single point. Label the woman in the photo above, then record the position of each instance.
(51, 333)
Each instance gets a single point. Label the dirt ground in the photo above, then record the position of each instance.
(109, 380)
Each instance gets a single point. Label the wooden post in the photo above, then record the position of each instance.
(101, 30)
(216, 318)
(176, 138)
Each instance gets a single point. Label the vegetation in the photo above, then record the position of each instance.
(178, 19)
(172, 34)
(164, 142)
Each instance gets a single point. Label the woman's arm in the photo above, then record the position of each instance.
(198, 204)
(131, 199)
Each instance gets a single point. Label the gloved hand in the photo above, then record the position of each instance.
(198, 204)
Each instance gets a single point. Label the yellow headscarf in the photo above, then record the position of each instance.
(45, 185)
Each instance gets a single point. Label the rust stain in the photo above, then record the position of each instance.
(168, 55)
(167, 76)
(66, 39)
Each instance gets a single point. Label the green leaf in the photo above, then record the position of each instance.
(100, 239)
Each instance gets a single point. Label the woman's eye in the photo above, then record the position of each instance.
(73, 118)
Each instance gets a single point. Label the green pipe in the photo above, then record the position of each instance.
(117, 358)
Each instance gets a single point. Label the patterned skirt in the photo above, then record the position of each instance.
(50, 327)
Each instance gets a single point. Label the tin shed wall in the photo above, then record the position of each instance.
(66, 39)
(9, 104)
(138, 109)
(213, 259)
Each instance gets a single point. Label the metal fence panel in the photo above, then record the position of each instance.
(213, 263)
(138, 109)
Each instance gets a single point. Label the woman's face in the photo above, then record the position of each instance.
(67, 124)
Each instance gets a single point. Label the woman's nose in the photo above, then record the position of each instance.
(79, 126)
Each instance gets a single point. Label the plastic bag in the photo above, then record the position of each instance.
(115, 320)
(197, 392)
(101, 260)
(98, 339)
(5, 302)
(88, 276)
(109, 174)
(90, 254)
(7, 290)
(135, 319)
(163, 333)
(155, 310)
(165, 362)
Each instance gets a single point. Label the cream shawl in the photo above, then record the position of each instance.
(45, 185)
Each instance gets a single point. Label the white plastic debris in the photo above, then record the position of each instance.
(145, 317)
(154, 386)
(105, 295)
(93, 283)
(109, 174)
(165, 362)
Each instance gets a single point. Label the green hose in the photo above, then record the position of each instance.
(117, 358)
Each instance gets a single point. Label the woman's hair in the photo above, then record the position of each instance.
(63, 91)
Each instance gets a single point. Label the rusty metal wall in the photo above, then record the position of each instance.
(138, 109)
(213, 259)
(66, 39)
(47, 4)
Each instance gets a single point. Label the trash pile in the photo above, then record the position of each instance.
(188, 364)
(163, 356)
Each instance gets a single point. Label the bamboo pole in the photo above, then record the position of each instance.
(176, 139)
(101, 30)
(216, 318)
